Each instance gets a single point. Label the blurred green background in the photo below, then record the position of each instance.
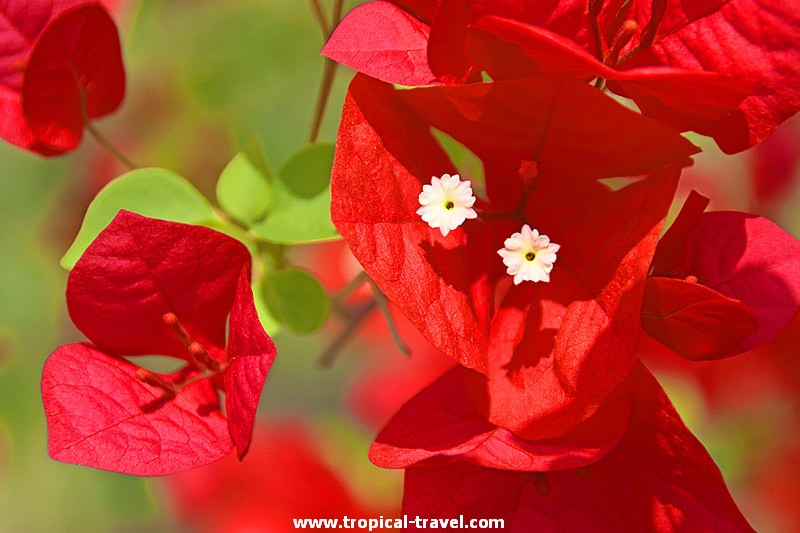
(203, 77)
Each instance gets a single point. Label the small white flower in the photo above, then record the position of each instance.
(446, 203)
(529, 256)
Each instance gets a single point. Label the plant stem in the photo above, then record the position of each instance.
(102, 141)
(383, 306)
(355, 320)
(354, 284)
(316, 8)
(328, 75)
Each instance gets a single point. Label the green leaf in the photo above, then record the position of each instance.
(268, 320)
(243, 189)
(299, 210)
(296, 299)
(152, 192)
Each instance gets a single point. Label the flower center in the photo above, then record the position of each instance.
(208, 366)
(528, 255)
(449, 205)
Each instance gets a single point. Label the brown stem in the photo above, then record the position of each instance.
(356, 318)
(354, 284)
(337, 13)
(102, 141)
(328, 75)
(319, 15)
(383, 306)
(595, 6)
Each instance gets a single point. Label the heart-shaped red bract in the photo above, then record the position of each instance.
(147, 286)
(446, 422)
(747, 269)
(60, 67)
(99, 415)
(659, 477)
(695, 65)
(553, 352)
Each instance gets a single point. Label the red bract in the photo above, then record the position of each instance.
(446, 421)
(553, 352)
(723, 283)
(563, 126)
(658, 478)
(774, 163)
(694, 67)
(393, 379)
(384, 42)
(285, 477)
(686, 100)
(147, 286)
(60, 66)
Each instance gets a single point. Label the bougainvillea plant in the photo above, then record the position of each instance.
(536, 280)
(143, 287)
(547, 358)
(696, 68)
(61, 67)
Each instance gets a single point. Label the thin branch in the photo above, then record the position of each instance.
(100, 138)
(316, 9)
(356, 318)
(337, 13)
(328, 75)
(102, 141)
(354, 284)
(383, 306)
(595, 6)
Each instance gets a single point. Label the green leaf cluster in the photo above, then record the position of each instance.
(264, 211)
(293, 207)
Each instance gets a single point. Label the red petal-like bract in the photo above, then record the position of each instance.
(669, 254)
(750, 259)
(385, 42)
(697, 322)
(562, 124)
(687, 100)
(774, 163)
(557, 350)
(698, 38)
(285, 477)
(442, 423)
(385, 153)
(55, 57)
(659, 478)
(442, 284)
(100, 415)
(250, 356)
(705, 65)
(139, 269)
(74, 73)
(20, 24)
(147, 286)
(756, 40)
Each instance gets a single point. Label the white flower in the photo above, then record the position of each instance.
(446, 203)
(529, 256)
